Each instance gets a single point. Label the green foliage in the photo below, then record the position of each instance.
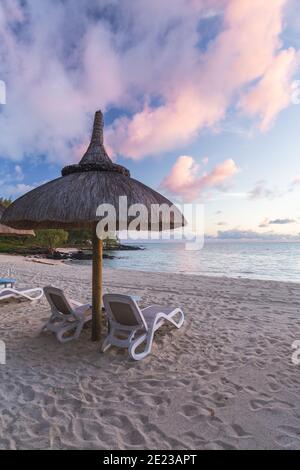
(10, 245)
(82, 237)
(51, 239)
(111, 242)
(5, 202)
(79, 237)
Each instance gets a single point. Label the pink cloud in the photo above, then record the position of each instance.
(149, 53)
(273, 92)
(160, 129)
(296, 181)
(184, 179)
(248, 49)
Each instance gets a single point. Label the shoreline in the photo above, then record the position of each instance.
(79, 263)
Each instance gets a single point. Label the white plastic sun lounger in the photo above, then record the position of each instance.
(67, 315)
(130, 327)
(28, 294)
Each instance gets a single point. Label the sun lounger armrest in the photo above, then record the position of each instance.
(82, 309)
(75, 303)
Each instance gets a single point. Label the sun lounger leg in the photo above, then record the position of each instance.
(60, 334)
(105, 345)
(178, 323)
(133, 347)
(150, 335)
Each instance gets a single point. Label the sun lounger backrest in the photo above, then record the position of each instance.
(57, 300)
(124, 311)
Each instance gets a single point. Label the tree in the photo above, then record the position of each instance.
(111, 242)
(79, 237)
(5, 202)
(51, 239)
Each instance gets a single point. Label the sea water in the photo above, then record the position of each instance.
(255, 260)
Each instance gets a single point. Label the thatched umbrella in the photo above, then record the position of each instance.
(9, 231)
(71, 201)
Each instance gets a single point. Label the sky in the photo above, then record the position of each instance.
(201, 100)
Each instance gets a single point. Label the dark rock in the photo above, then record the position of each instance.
(125, 248)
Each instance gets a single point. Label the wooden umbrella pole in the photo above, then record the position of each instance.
(97, 286)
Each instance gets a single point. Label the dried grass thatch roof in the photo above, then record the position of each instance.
(8, 231)
(72, 200)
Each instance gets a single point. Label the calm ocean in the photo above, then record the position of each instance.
(273, 261)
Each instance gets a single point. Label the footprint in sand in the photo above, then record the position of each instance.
(190, 410)
(240, 432)
(287, 441)
(27, 394)
(291, 431)
(221, 445)
(256, 405)
(273, 386)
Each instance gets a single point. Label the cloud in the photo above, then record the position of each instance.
(13, 191)
(251, 235)
(264, 223)
(296, 181)
(284, 221)
(273, 92)
(281, 221)
(184, 179)
(19, 173)
(237, 234)
(12, 183)
(201, 99)
(261, 190)
(152, 60)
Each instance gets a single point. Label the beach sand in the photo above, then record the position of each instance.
(224, 381)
